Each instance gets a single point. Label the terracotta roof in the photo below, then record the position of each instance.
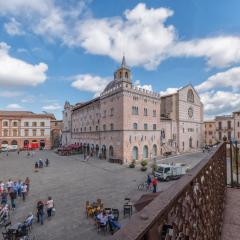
(26, 114)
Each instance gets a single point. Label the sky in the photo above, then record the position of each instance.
(53, 51)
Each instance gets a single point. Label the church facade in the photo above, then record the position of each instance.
(126, 122)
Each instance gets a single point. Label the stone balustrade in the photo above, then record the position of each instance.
(192, 208)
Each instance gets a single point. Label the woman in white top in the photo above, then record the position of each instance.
(50, 206)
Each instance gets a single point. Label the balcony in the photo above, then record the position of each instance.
(198, 206)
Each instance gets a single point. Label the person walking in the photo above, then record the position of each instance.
(4, 197)
(40, 212)
(46, 162)
(24, 191)
(19, 188)
(27, 182)
(13, 196)
(50, 206)
(154, 183)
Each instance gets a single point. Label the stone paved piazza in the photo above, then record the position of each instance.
(71, 182)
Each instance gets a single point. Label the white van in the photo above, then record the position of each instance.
(167, 172)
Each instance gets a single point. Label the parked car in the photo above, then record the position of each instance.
(167, 172)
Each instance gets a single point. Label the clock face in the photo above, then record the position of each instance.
(190, 112)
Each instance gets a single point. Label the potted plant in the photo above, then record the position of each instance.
(132, 164)
(144, 165)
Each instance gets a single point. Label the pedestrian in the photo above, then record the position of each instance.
(1, 186)
(36, 165)
(19, 188)
(40, 212)
(46, 162)
(84, 156)
(13, 196)
(154, 183)
(24, 191)
(50, 206)
(4, 197)
(9, 184)
(27, 182)
(149, 180)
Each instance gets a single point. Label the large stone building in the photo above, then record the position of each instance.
(23, 129)
(183, 111)
(210, 132)
(130, 123)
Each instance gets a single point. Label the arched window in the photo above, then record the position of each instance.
(190, 96)
(135, 153)
(190, 142)
(126, 74)
(120, 74)
(4, 142)
(145, 152)
(154, 150)
(5, 123)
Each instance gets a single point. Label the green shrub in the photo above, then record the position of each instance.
(144, 168)
(144, 163)
(132, 164)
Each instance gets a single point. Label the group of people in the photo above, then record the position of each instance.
(105, 218)
(40, 163)
(12, 190)
(9, 192)
(49, 204)
(152, 181)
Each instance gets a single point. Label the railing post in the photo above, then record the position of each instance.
(237, 162)
(231, 162)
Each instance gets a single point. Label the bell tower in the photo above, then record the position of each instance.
(123, 73)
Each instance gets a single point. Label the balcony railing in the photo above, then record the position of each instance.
(192, 208)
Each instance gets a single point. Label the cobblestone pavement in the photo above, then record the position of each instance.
(71, 181)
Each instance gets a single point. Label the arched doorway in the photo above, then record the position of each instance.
(145, 152)
(154, 151)
(14, 142)
(135, 153)
(35, 144)
(42, 144)
(97, 150)
(110, 151)
(25, 143)
(190, 142)
(104, 152)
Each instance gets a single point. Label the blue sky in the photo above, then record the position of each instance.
(52, 51)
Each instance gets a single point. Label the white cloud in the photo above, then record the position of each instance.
(10, 94)
(229, 78)
(169, 91)
(142, 35)
(13, 27)
(14, 71)
(220, 102)
(14, 106)
(144, 86)
(52, 107)
(90, 83)
(220, 51)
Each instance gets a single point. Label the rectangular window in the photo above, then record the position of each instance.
(154, 127)
(145, 112)
(14, 133)
(111, 112)
(26, 124)
(112, 126)
(5, 123)
(104, 113)
(229, 136)
(154, 113)
(34, 124)
(42, 132)
(134, 110)
(145, 126)
(42, 124)
(96, 128)
(220, 125)
(135, 126)
(15, 124)
(34, 131)
(26, 132)
(229, 124)
(5, 132)
(104, 127)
